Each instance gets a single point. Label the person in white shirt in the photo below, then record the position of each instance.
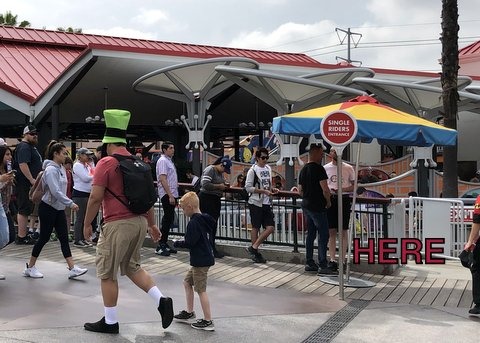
(259, 185)
(348, 179)
(192, 177)
(82, 173)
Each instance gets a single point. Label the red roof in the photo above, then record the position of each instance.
(32, 59)
(470, 50)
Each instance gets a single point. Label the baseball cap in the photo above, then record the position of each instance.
(29, 129)
(226, 162)
(85, 151)
(2, 142)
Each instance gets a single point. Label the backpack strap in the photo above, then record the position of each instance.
(120, 158)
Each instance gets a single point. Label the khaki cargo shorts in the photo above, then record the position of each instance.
(197, 277)
(119, 246)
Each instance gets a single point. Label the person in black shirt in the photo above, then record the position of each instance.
(315, 194)
(28, 163)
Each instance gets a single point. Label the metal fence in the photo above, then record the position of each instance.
(375, 218)
(370, 219)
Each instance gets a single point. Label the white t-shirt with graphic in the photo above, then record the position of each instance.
(264, 175)
(348, 175)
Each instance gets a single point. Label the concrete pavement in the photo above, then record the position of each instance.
(54, 309)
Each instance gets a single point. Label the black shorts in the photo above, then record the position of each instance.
(261, 216)
(25, 206)
(332, 212)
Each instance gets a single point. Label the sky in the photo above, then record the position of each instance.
(395, 34)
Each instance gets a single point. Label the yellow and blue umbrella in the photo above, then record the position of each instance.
(374, 120)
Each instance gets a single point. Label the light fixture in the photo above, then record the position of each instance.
(97, 119)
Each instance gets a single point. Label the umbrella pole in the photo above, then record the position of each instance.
(341, 253)
(352, 212)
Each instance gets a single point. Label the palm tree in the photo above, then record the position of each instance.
(450, 97)
(11, 20)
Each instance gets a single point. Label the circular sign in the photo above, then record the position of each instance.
(338, 128)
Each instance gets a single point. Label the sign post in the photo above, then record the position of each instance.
(339, 129)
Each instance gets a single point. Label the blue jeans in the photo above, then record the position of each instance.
(317, 224)
(4, 229)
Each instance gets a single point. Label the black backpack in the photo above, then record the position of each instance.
(138, 185)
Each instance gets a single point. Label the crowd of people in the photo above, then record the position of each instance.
(94, 181)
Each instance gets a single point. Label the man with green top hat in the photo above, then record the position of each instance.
(123, 231)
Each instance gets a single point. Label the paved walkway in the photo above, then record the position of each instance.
(276, 302)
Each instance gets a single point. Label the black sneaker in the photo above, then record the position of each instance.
(258, 258)
(80, 244)
(101, 326)
(311, 266)
(171, 250)
(475, 310)
(185, 316)
(24, 240)
(165, 307)
(323, 271)
(252, 251)
(35, 235)
(162, 250)
(333, 265)
(203, 324)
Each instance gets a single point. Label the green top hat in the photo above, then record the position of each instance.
(116, 122)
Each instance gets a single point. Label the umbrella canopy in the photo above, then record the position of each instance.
(374, 120)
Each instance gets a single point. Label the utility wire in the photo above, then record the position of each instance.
(364, 27)
(386, 44)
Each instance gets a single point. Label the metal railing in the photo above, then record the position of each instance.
(370, 218)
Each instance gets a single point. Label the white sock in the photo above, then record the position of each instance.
(155, 294)
(111, 315)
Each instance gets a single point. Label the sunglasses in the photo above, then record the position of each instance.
(264, 157)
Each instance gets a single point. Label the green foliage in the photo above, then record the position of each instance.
(69, 29)
(9, 19)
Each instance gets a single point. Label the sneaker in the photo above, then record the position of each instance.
(2, 277)
(203, 324)
(101, 326)
(252, 251)
(87, 244)
(185, 316)
(95, 239)
(162, 250)
(165, 307)
(32, 272)
(326, 271)
(311, 266)
(475, 310)
(171, 250)
(76, 271)
(333, 265)
(53, 237)
(80, 244)
(258, 258)
(35, 235)
(24, 240)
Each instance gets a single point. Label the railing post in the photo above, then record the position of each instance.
(385, 219)
(294, 225)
